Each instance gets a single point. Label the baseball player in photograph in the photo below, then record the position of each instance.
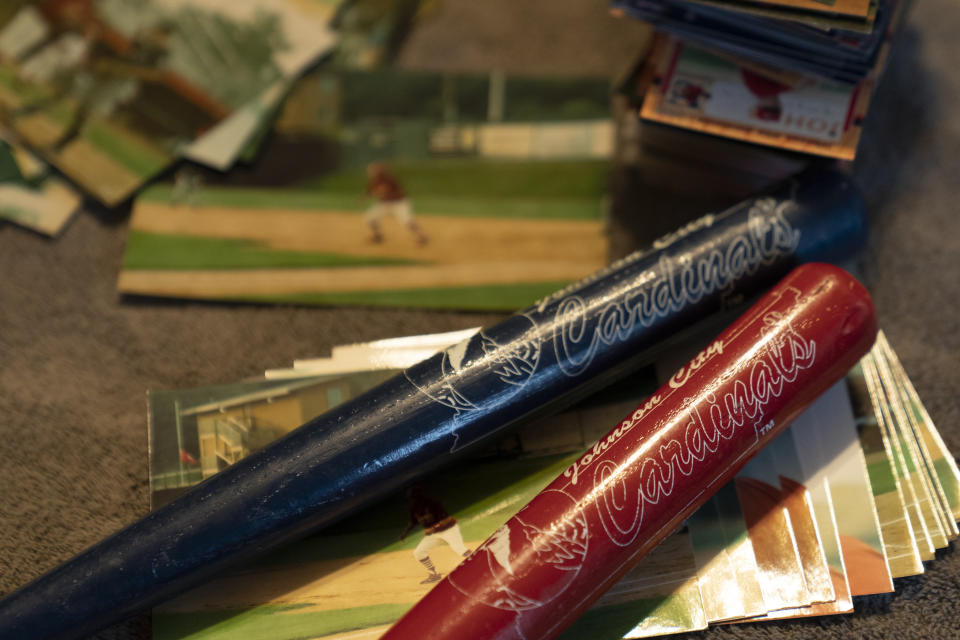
(438, 527)
(390, 200)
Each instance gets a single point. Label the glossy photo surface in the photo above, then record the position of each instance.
(637, 484)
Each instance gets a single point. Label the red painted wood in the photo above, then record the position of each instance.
(548, 563)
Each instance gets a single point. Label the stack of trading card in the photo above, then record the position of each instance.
(29, 195)
(499, 172)
(790, 74)
(112, 92)
(859, 491)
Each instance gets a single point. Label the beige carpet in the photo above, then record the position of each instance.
(76, 361)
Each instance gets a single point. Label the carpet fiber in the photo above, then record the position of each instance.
(76, 361)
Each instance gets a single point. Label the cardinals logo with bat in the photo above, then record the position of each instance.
(559, 542)
(482, 369)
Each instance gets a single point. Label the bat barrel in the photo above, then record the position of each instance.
(538, 360)
(638, 483)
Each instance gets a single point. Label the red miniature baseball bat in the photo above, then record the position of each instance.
(563, 550)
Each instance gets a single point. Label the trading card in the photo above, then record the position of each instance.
(859, 8)
(909, 465)
(899, 542)
(724, 594)
(362, 574)
(29, 196)
(412, 188)
(707, 93)
(909, 424)
(938, 520)
(657, 597)
(111, 92)
(779, 566)
(826, 442)
(943, 461)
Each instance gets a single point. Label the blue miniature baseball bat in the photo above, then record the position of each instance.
(538, 360)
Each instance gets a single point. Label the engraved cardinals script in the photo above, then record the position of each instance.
(560, 552)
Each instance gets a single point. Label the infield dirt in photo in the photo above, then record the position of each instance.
(461, 251)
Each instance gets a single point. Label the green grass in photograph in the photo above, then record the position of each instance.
(260, 198)
(513, 208)
(481, 496)
(451, 187)
(479, 177)
(617, 620)
(60, 111)
(882, 479)
(271, 622)
(26, 92)
(147, 250)
(136, 156)
(949, 481)
(9, 169)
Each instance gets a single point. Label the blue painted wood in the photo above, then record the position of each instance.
(549, 354)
